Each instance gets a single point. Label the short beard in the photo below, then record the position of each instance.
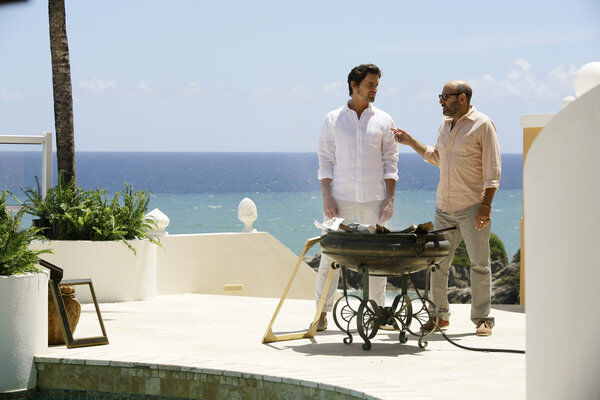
(450, 111)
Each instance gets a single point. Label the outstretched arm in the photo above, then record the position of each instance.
(405, 138)
(429, 154)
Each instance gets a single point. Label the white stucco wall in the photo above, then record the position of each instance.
(561, 195)
(117, 273)
(23, 328)
(204, 263)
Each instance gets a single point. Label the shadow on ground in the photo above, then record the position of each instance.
(354, 349)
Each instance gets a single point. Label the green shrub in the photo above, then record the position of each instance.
(517, 256)
(70, 213)
(15, 256)
(497, 252)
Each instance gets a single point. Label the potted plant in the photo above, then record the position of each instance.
(23, 302)
(85, 228)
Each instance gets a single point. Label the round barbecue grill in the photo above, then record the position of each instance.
(385, 254)
(394, 253)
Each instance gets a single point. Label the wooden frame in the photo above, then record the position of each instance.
(269, 336)
(54, 285)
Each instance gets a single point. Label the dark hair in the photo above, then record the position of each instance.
(360, 72)
(464, 87)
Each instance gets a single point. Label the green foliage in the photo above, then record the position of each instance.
(512, 280)
(15, 256)
(72, 213)
(497, 252)
(517, 256)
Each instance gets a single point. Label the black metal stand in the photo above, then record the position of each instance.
(403, 312)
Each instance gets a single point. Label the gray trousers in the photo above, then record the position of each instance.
(478, 248)
(365, 213)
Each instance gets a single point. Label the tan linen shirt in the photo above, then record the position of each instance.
(468, 157)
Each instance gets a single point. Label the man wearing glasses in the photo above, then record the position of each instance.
(358, 170)
(468, 156)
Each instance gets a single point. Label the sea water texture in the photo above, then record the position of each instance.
(200, 192)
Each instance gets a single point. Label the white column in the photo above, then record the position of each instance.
(561, 195)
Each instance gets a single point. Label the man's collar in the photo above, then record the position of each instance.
(347, 107)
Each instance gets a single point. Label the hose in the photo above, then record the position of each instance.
(482, 349)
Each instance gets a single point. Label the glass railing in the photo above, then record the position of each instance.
(17, 162)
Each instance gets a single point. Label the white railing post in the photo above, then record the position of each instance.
(46, 163)
(46, 141)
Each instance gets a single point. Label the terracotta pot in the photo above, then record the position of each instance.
(55, 330)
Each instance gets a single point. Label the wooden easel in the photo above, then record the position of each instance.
(269, 336)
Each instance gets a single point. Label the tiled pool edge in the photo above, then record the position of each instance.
(174, 381)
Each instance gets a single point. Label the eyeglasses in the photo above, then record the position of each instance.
(444, 97)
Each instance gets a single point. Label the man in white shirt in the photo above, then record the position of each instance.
(358, 159)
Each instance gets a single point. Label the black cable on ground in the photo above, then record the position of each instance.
(482, 349)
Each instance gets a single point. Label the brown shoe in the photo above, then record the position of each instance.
(430, 325)
(322, 324)
(384, 327)
(483, 329)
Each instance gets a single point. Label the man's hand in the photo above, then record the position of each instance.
(401, 136)
(330, 208)
(386, 209)
(482, 219)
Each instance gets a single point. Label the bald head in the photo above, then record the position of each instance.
(458, 86)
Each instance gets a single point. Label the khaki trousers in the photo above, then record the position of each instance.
(478, 248)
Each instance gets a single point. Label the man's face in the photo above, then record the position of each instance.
(450, 106)
(367, 88)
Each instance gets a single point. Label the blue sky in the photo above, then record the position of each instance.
(260, 76)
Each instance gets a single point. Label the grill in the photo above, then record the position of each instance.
(385, 254)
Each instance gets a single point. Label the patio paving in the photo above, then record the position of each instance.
(225, 332)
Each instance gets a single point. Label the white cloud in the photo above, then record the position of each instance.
(300, 91)
(10, 94)
(99, 86)
(524, 81)
(524, 65)
(335, 89)
(145, 88)
(262, 93)
(192, 88)
(386, 91)
(564, 74)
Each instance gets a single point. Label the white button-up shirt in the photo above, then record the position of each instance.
(468, 156)
(358, 154)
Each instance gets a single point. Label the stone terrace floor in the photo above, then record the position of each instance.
(225, 332)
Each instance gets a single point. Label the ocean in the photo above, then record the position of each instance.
(200, 192)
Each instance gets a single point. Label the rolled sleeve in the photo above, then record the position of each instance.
(389, 153)
(326, 151)
(490, 157)
(432, 156)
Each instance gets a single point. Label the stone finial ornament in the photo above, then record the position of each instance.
(587, 77)
(162, 221)
(247, 213)
(566, 101)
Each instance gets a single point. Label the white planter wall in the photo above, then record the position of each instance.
(205, 263)
(116, 272)
(23, 328)
(561, 195)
